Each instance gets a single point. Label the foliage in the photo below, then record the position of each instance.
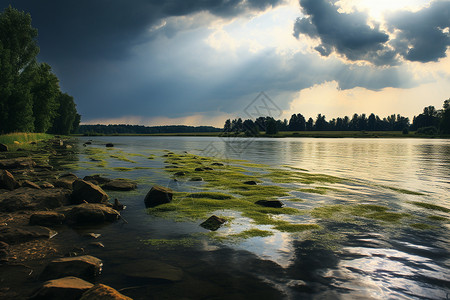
(28, 89)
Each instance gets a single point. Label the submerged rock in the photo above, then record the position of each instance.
(48, 218)
(89, 213)
(196, 179)
(213, 223)
(89, 192)
(67, 288)
(152, 270)
(103, 292)
(217, 164)
(97, 178)
(109, 145)
(180, 174)
(7, 180)
(86, 267)
(270, 203)
(250, 182)
(158, 195)
(21, 234)
(120, 185)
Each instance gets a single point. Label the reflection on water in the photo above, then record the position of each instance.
(354, 259)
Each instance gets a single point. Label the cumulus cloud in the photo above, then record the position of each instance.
(414, 36)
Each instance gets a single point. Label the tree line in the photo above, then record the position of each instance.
(30, 96)
(139, 129)
(430, 121)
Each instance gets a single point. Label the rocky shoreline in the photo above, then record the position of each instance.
(38, 200)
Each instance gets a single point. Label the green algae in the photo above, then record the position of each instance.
(422, 226)
(368, 211)
(316, 190)
(288, 176)
(297, 227)
(122, 169)
(210, 195)
(122, 158)
(251, 233)
(403, 191)
(166, 243)
(438, 218)
(430, 206)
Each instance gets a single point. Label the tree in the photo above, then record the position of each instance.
(45, 90)
(66, 115)
(271, 126)
(18, 51)
(321, 123)
(227, 126)
(445, 121)
(310, 124)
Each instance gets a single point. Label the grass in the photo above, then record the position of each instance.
(422, 226)
(438, 218)
(288, 176)
(166, 243)
(296, 227)
(368, 211)
(403, 191)
(430, 206)
(22, 139)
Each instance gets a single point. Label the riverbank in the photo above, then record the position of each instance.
(297, 134)
(40, 205)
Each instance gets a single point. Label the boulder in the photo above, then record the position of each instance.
(47, 185)
(17, 163)
(97, 178)
(21, 234)
(30, 184)
(47, 218)
(103, 292)
(208, 168)
(66, 181)
(158, 195)
(86, 267)
(7, 180)
(151, 270)
(89, 213)
(180, 173)
(270, 203)
(199, 169)
(3, 148)
(120, 185)
(213, 223)
(117, 205)
(67, 288)
(217, 164)
(250, 182)
(87, 191)
(109, 145)
(25, 198)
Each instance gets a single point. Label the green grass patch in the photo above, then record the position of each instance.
(316, 190)
(288, 176)
(122, 169)
(369, 211)
(210, 195)
(23, 138)
(438, 218)
(403, 191)
(122, 158)
(430, 206)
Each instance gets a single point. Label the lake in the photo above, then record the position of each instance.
(381, 220)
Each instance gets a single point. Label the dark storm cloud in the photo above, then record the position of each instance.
(415, 36)
(108, 28)
(347, 34)
(421, 36)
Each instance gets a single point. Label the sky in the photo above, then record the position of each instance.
(155, 62)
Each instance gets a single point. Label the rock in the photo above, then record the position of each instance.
(217, 164)
(88, 143)
(86, 267)
(17, 163)
(97, 244)
(97, 178)
(76, 251)
(109, 145)
(117, 205)
(158, 195)
(270, 203)
(85, 190)
(4, 245)
(180, 174)
(92, 235)
(120, 185)
(151, 270)
(7, 180)
(47, 185)
(32, 199)
(199, 169)
(103, 292)
(213, 223)
(250, 182)
(196, 179)
(67, 288)
(89, 213)
(48, 218)
(3, 148)
(66, 181)
(68, 175)
(30, 184)
(208, 168)
(21, 234)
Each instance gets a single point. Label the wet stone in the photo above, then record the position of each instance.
(67, 288)
(86, 267)
(213, 223)
(158, 195)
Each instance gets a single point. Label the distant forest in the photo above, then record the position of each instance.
(30, 96)
(430, 121)
(138, 129)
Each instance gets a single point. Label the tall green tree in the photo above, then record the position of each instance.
(18, 51)
(45, 90)
(66, 115)
(445, 121)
